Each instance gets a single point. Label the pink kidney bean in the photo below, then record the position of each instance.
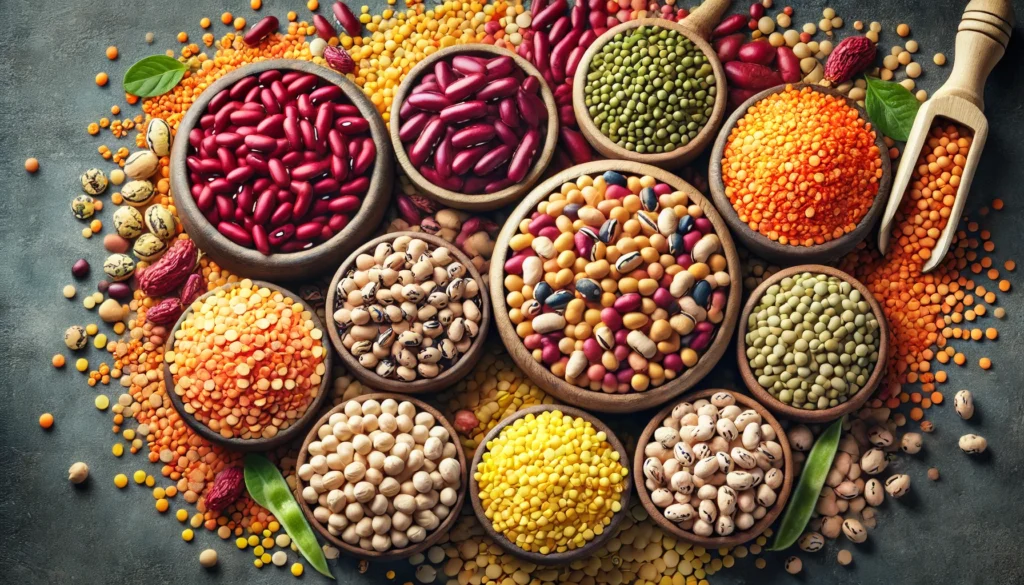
(347, 19)
(323, 28)
(728, 48)
(751, 76)
(760, 52)
(789, 65)
(729, 25)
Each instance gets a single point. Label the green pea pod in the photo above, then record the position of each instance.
(805, 497)
(268, 488)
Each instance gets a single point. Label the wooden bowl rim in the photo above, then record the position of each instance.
(501, 539)
(395, 553)
(679, 156)
(589, 399)
(762, 245)
(799, 414)
(250, 445)
(736, 538)
(447, 378)
(293, 265)
(473, 201)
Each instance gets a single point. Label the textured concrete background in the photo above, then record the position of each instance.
(963, 529)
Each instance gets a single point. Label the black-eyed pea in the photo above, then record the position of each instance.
(963, 402)
(973, 444)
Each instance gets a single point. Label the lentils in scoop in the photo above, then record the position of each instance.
(650, 90)
(407, 311)
(713, 467)
(617, 283)
(812, 341)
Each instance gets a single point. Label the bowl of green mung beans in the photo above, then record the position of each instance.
(813, 343)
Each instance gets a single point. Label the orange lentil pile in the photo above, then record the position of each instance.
(927, 312)
(801, 167)
(247, 361)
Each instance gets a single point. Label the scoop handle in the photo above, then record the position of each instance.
(703, 19)
(981, 41)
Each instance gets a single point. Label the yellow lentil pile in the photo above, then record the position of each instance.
(551, 482)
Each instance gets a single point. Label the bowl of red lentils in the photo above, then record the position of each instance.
(800, 174)
(280, 169)
(615, 286)
(247, 366)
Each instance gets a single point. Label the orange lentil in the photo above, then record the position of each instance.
(204, 22)
(985, 363)
(821, 184)
(1004, 285)
(102, 79)
(58, 361)
(1010, 265)
(940, 377)
(256, 4)
(183, 37)
(226, 18)
(937, 398)
(239, 23)
(46, 420)
(916, 413)
(997, 204)
(111, 52)
(992, 333)
(31, 165)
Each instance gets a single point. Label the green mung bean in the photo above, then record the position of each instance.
(812, 341)
(650, 90)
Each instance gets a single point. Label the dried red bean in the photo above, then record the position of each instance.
(323, 28)
(347, 19)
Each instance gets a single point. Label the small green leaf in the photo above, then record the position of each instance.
(891, 107)
(805, 496)
(153, 76)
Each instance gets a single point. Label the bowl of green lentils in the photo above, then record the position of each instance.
(651, 91)
(813, 343)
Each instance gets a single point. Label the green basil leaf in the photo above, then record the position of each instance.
(153, 76)
(268, 488)
(891, 107)
(805, 496)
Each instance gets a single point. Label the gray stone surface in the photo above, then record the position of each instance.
(963, 529)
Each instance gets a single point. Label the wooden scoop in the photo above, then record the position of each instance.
(981, 40)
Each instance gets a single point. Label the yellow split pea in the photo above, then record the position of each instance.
(551, 482)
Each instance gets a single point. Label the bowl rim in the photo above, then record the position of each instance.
(762, 245)
(589, 399)
(462, 367)
(736, 538)
(680, 156)
(799, 414)
(292, 265)
(473, 201)
(553, 558)
(391, 554)
(260, 444)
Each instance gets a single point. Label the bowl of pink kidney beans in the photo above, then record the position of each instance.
(475, 126)
(284, 169)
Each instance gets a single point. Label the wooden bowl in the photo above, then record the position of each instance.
(369, 377)
(471, 201)
(398, 553)
(555, 558)
(295, 265)
(799, 414)
(763, 246)
(736, 538)
(297, 428)
(696, 28)
(585, 398)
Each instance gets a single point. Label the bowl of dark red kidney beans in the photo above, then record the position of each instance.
(281, 169)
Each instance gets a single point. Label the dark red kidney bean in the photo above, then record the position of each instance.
(272, 125)
(363, 160)
(760, 52)
(207, 199)
(493, 159)
(339, 168)
(285, 195)
(282, 214)
(261, 184)
(292, 132)
(356, 186)
(344, 204)
(499, 88)
(292, 159)
(326, 233)
(244, 131)
(279, 173)
(508, 112)
(756, 10)
(245, 200)
(351, 125)
(531, 85)
(305, 105)
(303, 85)
(578, 16)
(310, 170)
(225, 206)
(264, 206)
(209, 145)
(597, 20)
(218, 101)
(260, 239)
(308, 156)
(290, 76)
(431, 102)
(240, 175)
(427, 87)
(337, 142)
(566, 115)
(463, 112)
(229, 139)
(296, 246)
(465, 87)
(452, 183)
(549, 15)
(576, 144)
(326, 93)
(343, 110)
(196, 187)
(250, 107)
(319, 210)
(499, 67)
(524, 156)
(269, 76)
(347, 19)
(241, 152)
(326, 186)
(729, 25)
(307, 231)
(412, 127)
(465, 159)
(475, 184)
(560, 54)
(222, 185)
(498, 185)
(235, 233)
(337, 222)
(425, 143)
(505, 134)
(588, 38)
(561, 28)
(303, 199)
(789, 65)
(195, 137)
(468, 65)
(728, 47)
(443, 155)
(212, 216)
(260, 31)
(406, 110)
(195, 164)
(222, 118)
(428, 79)
(444, 75)
(474, 134)
(242, 87)
(261, 143)
(541, 50)
(324, 120)
(308, 134)
(253, 96)
(281, 235)
(257, 162)
(280, 92)
(324, 29)
(530, 108)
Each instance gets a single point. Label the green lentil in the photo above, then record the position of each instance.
(812, 341)
(651, 90)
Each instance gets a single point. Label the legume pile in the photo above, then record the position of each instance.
(927, 313)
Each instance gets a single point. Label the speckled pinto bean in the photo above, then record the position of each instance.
(616, 283)
(472, 125)
(280, 161)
